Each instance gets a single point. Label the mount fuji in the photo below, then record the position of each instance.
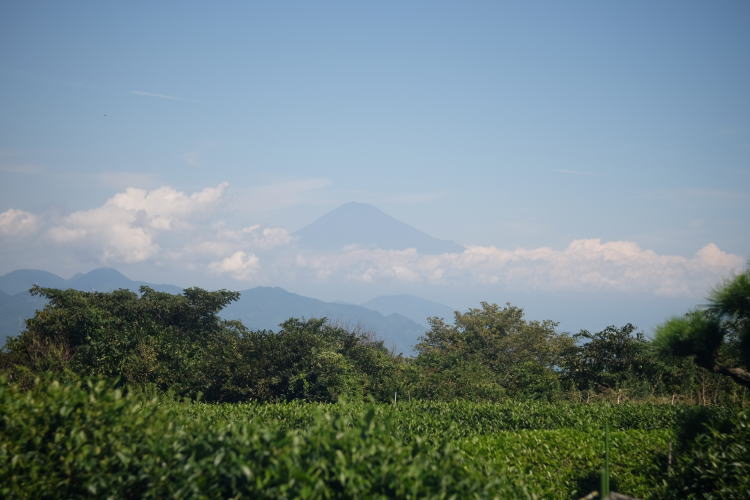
(367, 226)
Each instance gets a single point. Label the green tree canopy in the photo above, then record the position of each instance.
(717, 336)
(175, 341)
(179, 342)
(492, 347)
(316, 361)
(608, 359)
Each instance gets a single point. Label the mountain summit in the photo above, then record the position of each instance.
(367, 226)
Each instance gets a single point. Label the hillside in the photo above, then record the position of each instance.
(415, 308)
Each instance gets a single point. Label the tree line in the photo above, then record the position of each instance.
(179, 343)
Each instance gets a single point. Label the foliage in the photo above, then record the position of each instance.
(622, 360)
(67, 436)
(459, 419)
(731, 303)
(488, 353)
(178, 342)
(310, 360)
(565, 463)
(714, 458)
(89, 439)
(696, 334)
(173, 341)
(717, 337)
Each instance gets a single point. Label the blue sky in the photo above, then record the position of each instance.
(504, 124)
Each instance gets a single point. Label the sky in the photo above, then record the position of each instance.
(185, 142)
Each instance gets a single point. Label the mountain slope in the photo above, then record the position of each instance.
(101, 280)
(415, 308)
(23, 279)
(14, 311)
(106, 279)
(265, 308)
(367, 226)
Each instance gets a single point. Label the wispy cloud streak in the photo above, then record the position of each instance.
(143, 93)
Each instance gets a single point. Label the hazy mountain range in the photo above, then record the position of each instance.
(397, 320)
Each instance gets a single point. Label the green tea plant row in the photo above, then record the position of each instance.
(457, 418)
(92, 440)
(566, 463)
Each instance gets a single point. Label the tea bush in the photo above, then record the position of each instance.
(714, 460)
(91, 439)
(566, 463)
(459, 418)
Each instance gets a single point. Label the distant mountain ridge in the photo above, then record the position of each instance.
(101, 280)
(415, 308)
(266, 307)
(367, 226)
(258, 308)
(22, 279)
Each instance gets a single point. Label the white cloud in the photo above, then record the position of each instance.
(163, 207)
(14, 222)
(125, 227)
(240, 265)
(169, 228)
(224, 240)
(712, 256)
(265, 238)
(584, 265)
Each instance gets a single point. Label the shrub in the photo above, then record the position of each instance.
(714, 459)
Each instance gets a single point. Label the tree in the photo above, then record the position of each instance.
(717, 337)
(492, 351)
(175, 341)
(179, 342)
(315, 361)
(609, 359)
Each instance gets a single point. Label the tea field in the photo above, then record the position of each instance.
(92, 440)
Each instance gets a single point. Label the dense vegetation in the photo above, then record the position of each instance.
(92, 440)
(179, 343)
(117, 394)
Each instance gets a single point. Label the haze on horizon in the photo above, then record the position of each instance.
(578, 154)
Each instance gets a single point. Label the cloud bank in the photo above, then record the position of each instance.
(125, 228)
(585, 265)
(185, 232)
